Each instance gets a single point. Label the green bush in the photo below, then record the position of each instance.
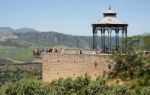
(120, 90)
(130, 66)
(145, 91)
(14, 76)
(78, 86)
(28, 87)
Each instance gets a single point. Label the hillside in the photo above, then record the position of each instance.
(28, 37)
(54, 39)
(4, 35)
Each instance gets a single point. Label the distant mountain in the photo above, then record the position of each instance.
(24, 30)
(6, 29)
(54, 38)
(146, 34)
(9, 33)
(6, 34)
(21, 30)
(28, 37)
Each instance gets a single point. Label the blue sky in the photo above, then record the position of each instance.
(73, 16)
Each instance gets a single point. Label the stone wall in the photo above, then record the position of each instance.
(73, 65)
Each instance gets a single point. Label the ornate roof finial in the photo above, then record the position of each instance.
(109, 7)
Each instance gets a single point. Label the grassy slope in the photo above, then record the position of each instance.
(16, 55)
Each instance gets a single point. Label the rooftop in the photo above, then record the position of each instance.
(110, 18)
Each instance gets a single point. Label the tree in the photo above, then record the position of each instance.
(146, 40)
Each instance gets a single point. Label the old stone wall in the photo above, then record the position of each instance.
(73, 65)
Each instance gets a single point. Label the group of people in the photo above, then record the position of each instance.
(99, 51)
(38, 52)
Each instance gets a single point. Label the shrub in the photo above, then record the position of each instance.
(28, 87)
(145, 91)
(129, 66)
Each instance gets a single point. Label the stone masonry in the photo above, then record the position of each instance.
(73, 65)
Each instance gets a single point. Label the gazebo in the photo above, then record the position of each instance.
(108, 24)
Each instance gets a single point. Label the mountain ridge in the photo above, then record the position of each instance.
(28, 37)
(48, 38)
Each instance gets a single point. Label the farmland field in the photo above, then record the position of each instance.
(15, 55)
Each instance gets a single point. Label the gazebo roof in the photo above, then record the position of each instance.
(110, 18)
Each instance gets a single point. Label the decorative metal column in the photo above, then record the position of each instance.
(117, 39)
(108, 41)
(102, 46)
(123, 40)
(94, 38)
(103, 40)
(110, 30)
(126, 48)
